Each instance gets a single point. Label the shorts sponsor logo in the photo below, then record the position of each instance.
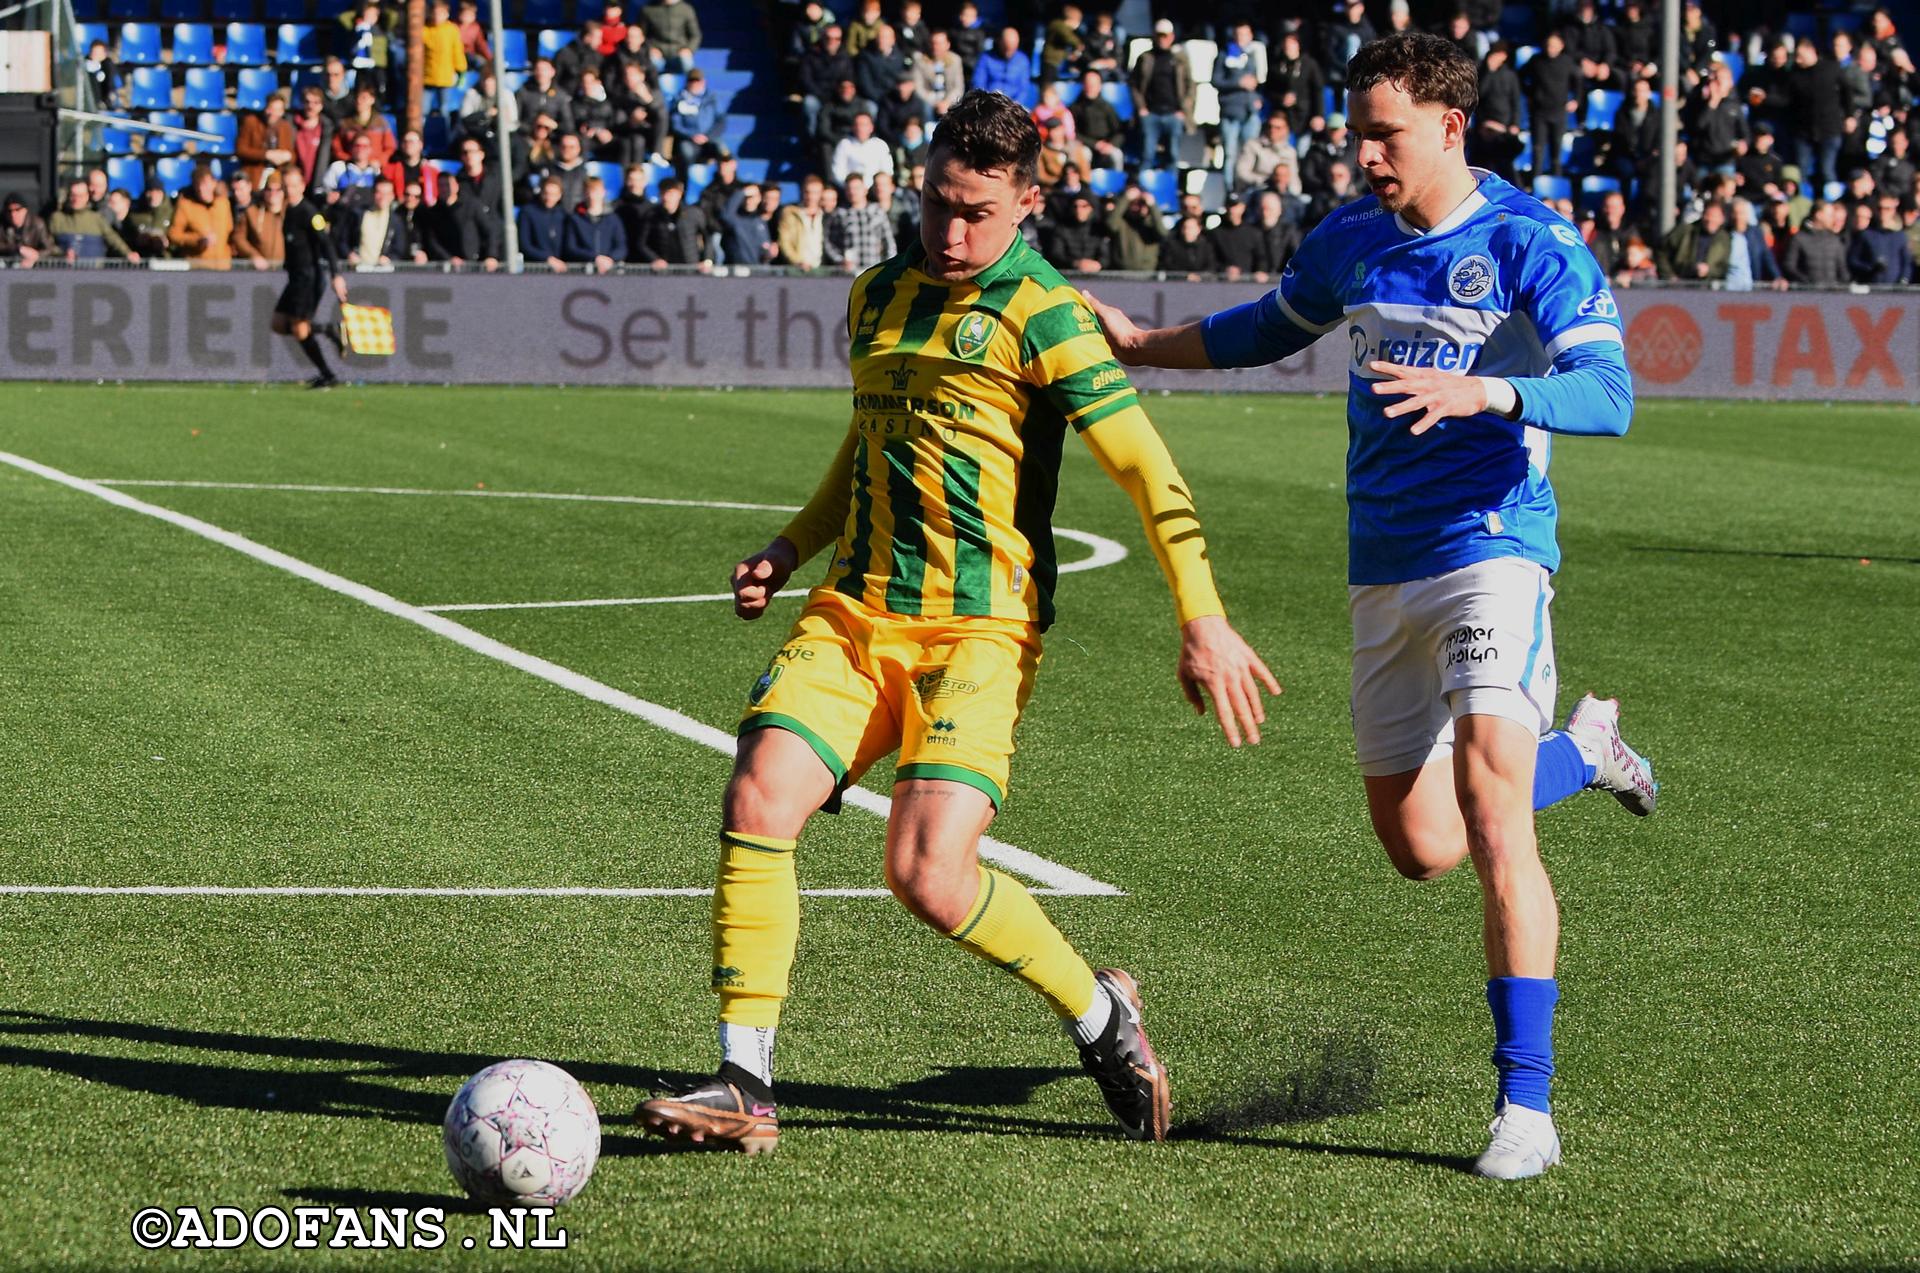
(1470, 644)
(937, 684)
(1471, 279)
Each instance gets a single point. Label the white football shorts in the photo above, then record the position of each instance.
(1474, 641)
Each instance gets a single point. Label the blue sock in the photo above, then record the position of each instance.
(1523, 1038)
(1559, 770)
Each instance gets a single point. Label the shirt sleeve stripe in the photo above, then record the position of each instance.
(1585, 334)
(1094, 412)
(1293, 316)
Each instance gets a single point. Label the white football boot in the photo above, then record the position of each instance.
(1595, 725)
(1524, 1144)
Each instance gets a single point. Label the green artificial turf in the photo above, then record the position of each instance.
(1736, 1084)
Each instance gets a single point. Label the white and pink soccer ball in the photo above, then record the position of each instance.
(522, 1133)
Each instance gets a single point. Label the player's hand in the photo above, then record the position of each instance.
(1214, 659)
(1437, 395)
(759, 577)
(1122, 332)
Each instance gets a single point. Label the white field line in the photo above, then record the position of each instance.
(320, 890)
(1106, 552)
(1032, 865)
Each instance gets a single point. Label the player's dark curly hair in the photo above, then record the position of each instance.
(986, 131)
(1424, 67)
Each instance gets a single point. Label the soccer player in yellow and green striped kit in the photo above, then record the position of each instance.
(972, 359)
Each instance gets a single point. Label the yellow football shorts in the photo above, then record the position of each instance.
(858, 684)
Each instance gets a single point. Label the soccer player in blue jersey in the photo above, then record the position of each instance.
(1478, 324)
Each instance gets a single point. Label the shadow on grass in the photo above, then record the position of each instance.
(358, 1080)
(1776, 554)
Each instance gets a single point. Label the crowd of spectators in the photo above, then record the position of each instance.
(1795, 165)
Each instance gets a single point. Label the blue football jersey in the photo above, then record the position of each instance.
(1504, 286)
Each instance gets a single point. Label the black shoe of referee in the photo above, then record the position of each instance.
(325, 381)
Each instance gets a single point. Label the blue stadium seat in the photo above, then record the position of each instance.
(1118, 97)
(1516, 23)
(1069, 92)
(726, 85)
(181, 10)
(754, 169)
(547, 13)
(1108, 182)
(126, 172)
(129, 10)
(551, 42)
(220, 122)
(1834, 191)
(671, 84)
(152, 88)
(206, 89)
(1329, 100)
(286, 11)
(116, 141)
(435, 136)
(513, 50)
(612, 174)
(1545, 188)
(789, 192)
(1602, 106)
(1734, 62)
(85, 33)
(140, 44)
(257, 84)
(296, 44)
(161, 143)
(232, 11)
(1598, 185)
(514, 81)
(1804, 25)
(1163, 184)
(446, 165)
(174, 172)
(246, 44)
(712, 59)
(699, 177)
(193, 44)
(1523, 55)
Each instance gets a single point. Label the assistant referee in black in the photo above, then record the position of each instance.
(312, 263)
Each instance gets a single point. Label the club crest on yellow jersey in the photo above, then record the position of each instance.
(972, 334)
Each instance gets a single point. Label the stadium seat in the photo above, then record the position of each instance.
(193, 44)
(671, 84)
(1120, 98)
(446, 165)
(246, 44)
(699, 177)
(163, 143)
(116, 141)
(726, 85)
(1516, 23)
(85, 33)
(1069, 91)
(297, 44)
(1523, 55)
(514, 81)
(1163, 184)
(435, 136)
(1108, 182)
(1598, 185)
(206, 89)
(513, 50)
(551, 42)
(129, 10)
(710, 60)
(1733, 62)
(1834, 191)
(1602, 106)
(139, 44)
(223, 123)
(789, 192)
(1804, 25)
(1211, 186)
(174, 172)
(232, 11)
(1200, 56)
(754, 169)
(286, 11)
(256, 85)
(545, 13)
(152, 88)
(612, 174)
(1545, 188)
(126, 172)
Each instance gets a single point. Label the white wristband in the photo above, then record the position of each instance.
(1502, 398)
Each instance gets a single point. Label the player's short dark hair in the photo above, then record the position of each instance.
(986, 131)
(1424, 67)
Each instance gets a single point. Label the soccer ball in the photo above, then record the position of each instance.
(522, 1133)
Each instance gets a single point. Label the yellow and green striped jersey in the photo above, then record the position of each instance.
(962, 396)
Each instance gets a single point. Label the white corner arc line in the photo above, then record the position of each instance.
(355, 890)
(1032, 865)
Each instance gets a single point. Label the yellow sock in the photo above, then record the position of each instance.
(1007, 927)
(756, 923)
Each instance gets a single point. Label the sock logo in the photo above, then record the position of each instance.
(728, 977)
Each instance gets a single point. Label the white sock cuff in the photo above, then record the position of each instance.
(750, 1048)
(1090, 1025)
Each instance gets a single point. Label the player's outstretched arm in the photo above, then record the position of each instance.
(1216, 663)
(1181, 348)
(759, 577)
